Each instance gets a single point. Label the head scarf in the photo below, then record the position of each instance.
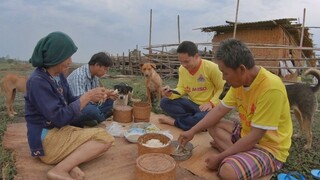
(53, 49)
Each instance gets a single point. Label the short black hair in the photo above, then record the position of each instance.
(187, 47)
(233, 53)
(102, 59)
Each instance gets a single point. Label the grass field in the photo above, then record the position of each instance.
(299, 159)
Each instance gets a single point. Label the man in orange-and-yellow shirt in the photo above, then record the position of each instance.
(199, 87)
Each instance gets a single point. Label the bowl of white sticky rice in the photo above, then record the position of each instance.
(154, 143)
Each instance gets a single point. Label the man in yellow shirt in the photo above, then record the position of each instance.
(200, 80)
(260, 143)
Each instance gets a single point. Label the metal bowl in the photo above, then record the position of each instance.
(183, 153)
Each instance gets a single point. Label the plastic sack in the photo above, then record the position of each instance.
(115, 129)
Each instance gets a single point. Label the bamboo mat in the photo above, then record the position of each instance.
(117, 163)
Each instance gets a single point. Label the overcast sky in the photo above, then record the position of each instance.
(116, 26)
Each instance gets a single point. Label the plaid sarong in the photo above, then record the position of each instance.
(251, 164)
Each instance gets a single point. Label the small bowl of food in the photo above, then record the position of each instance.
(133, 134)
(181, 153)
(142, 125)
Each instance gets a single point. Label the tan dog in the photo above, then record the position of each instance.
(153, 81)
(10, 84)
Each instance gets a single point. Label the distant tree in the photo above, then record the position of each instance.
(2, 59)
(10, 61)
(135, 52)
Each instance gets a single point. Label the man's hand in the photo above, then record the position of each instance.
(205, 107)
(166, 91)
(185, 137)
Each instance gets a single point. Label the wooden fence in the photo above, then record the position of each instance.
(168, 63)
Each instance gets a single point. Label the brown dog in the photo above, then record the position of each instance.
(153, 81)
(10, 84)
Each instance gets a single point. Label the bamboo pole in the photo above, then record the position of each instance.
(178, 29)
(302, 28)
(236, 21)
(248, 44)
(150, 50)
(253, 46)
(165, 55)
(127, 70)
(277, 59)
(117, 61)
(123, 63)
(278, 67)
(302, 33)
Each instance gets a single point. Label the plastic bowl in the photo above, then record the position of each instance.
(132, 136)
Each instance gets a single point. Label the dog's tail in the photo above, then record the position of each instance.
(316, 74)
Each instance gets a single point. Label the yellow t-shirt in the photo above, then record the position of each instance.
(264, 105)
(202, 86)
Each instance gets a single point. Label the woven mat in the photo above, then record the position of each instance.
(117, 163)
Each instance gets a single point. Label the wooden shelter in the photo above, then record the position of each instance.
(279, 38)
(271, 42)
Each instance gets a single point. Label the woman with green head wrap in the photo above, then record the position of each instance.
(52, 112)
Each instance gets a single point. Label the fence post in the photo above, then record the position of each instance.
(123, 64)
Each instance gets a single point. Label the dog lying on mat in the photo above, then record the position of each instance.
(303, 102)
(10, 84)
(153, 81)
(125, 93)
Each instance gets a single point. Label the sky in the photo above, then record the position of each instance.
(117, 26)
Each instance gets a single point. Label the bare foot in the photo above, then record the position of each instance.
(215, 145)
(77, 173)
(166, 120)
(54, 174)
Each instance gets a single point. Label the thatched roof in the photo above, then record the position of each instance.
(288, 24)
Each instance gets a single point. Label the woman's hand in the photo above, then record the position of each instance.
(112, 94)
(93, 95)
(97, 94)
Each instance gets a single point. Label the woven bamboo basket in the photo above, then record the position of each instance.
(144, 149)
(141, 111)
(155, 166)
(122, 114)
